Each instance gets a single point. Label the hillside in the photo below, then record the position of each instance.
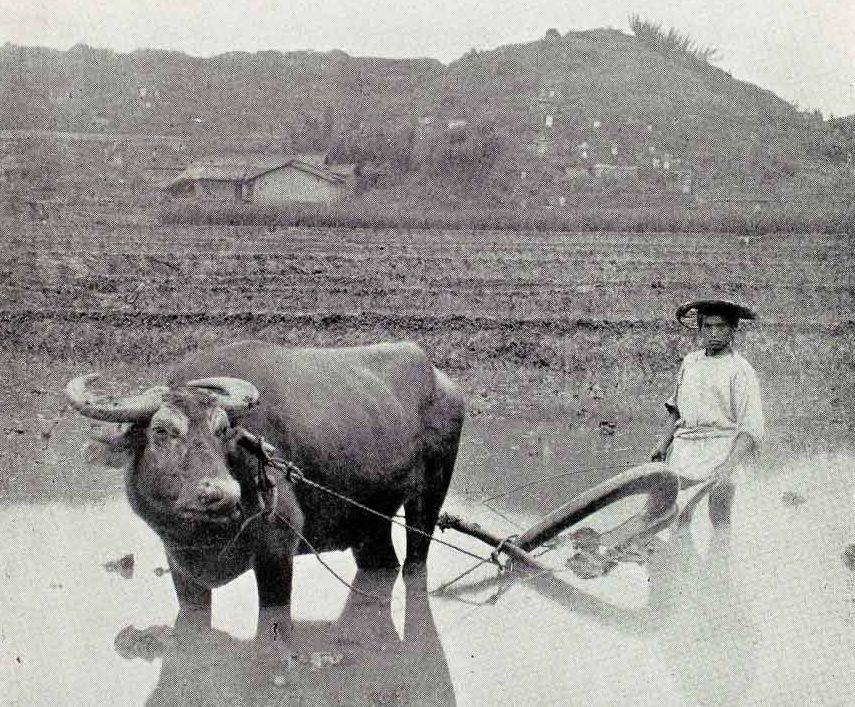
(299, 95)
(514, 124)
(610, 91)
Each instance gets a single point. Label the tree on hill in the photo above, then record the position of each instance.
(389, 147)
(836, 140)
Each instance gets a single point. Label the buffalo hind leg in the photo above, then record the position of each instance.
(375, 551)
(422, 512)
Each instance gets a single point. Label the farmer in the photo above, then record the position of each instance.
(715, 423)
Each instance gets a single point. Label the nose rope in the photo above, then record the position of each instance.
(243, 527)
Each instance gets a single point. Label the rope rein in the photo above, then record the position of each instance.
(266, 485)
(324, 564)
(266, 500)
(553, 477)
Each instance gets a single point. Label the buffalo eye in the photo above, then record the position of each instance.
(162, 433)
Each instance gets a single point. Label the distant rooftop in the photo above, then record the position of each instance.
(241, 169)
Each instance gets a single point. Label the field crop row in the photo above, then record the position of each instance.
(754, 254)
(483, 264)
(331, 272)
(498, 274)
(546, 303)
(279, 282)
(108, 235)
(570, 310)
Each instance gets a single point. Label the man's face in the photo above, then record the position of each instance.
(716, 332)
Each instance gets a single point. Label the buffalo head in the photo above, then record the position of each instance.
(177, 444)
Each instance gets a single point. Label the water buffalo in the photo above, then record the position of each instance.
(378, 424)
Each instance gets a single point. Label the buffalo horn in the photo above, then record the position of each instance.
(127, 408)
(233, 394)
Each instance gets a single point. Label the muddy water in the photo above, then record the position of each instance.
(768, 620)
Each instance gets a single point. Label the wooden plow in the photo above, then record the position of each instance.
(656, 480)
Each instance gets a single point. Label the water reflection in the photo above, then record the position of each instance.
(705, 632)
(776, 612)
(693, 610)
(357, 660)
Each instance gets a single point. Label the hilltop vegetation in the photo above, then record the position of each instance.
(506, 126)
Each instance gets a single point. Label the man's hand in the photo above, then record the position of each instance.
(659, 453)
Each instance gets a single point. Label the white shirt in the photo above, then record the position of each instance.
(716, 398)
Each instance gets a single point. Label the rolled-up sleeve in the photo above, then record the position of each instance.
(747, 405)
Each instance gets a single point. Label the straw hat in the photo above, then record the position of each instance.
(687, 314)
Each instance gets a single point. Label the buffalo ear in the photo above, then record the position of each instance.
(113, 450)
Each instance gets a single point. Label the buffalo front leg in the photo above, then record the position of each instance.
(273, 575)
(366, 619)
(274, 570)
(194, 602)
(273, 564)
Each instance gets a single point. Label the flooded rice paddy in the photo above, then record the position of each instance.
(767, 620)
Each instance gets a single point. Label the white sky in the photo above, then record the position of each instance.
(803, 50)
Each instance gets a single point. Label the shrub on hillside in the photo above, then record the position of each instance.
(835, 140)
(376, 145)
(671, 42)
(465, 154)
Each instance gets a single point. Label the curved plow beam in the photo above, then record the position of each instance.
(654, 479)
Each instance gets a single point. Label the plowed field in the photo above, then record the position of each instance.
(544, 323)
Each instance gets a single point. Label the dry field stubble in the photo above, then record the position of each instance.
(536, 326)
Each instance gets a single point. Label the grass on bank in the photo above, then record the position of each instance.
(738, 218)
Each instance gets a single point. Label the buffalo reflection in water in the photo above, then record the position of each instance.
(357, 660)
